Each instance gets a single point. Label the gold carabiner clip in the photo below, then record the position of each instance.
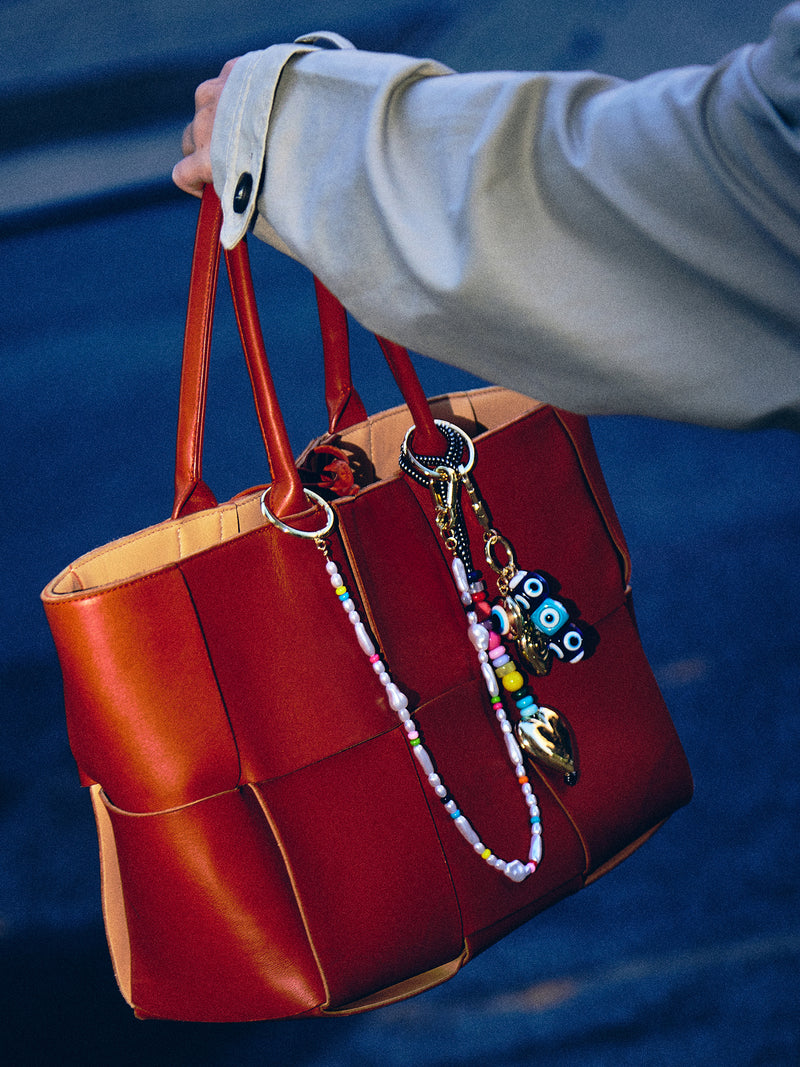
(504, 571)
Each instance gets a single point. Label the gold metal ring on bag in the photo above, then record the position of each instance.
(311, 535)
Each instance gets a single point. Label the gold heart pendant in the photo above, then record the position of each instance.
(548, 740)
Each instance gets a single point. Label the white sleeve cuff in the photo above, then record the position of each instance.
(239, 137)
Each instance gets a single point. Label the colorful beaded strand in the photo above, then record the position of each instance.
(498, 669)
(516, 870)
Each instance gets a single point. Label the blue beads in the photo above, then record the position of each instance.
(549, 616)
(531, 593)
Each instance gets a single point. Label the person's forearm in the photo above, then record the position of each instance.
(607, 247)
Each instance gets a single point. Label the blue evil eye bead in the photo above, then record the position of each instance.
(528, 588)
(534, 586)
(569, 646)
(500, 619)
(550, 616)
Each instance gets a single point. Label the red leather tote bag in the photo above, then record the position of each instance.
(308, 792)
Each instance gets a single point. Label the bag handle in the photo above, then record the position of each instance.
(344, 405)
(191, 492)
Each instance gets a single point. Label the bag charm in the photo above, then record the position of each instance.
(516, 870)
(540, 626)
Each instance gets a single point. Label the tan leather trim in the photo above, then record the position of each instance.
(379, 437)
(157, 546)
(113, 899)
(403, 990)
(298, 897)
(475, 410)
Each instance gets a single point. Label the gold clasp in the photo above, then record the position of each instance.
(477, 503)
(443, 488)
(444, 482)
(504, 571)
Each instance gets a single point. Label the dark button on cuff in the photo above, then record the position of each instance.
(241, 196)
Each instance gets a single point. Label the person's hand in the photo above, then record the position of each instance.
(194, 170)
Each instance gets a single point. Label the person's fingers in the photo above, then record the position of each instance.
(191, 174)
(187, 141)
(194, 170)
(207, 93)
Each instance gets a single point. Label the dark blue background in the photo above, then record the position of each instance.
(689, 952)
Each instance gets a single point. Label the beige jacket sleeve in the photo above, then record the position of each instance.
(609, 247)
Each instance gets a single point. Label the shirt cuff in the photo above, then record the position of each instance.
(238, 141)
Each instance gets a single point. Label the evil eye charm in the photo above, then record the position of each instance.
(533, 586)
(529, 588)
(531, 592)
(509, 620)
(569, 646)
(500, 620)
(549, 616)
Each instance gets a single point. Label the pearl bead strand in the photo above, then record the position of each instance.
(516, 870)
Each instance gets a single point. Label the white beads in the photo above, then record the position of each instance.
(490, 679)
(397, 700)
(535, 854)
(466, 830)
(364, 640)
(436, 784)
(424, 759)
(478, 636)
(517, 871)
(462, 582)
(460, 576)
(513, 748)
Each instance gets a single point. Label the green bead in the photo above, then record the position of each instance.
(507, 668)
